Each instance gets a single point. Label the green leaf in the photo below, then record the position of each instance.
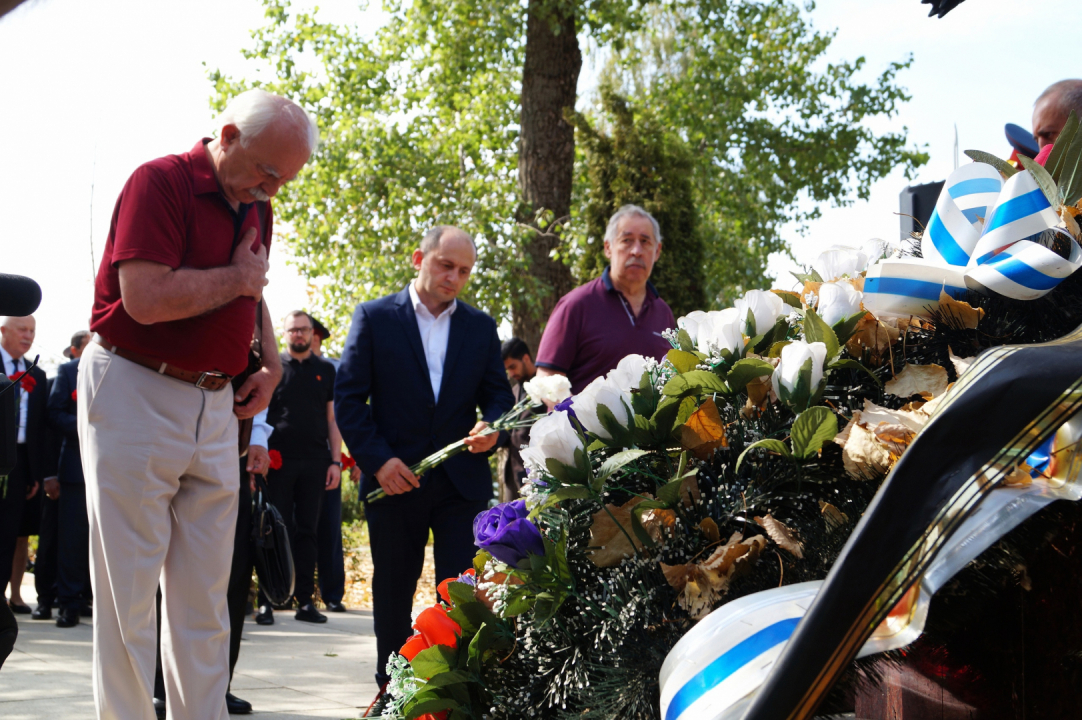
(684, 341)
(845, 327)
(850, 364)
(1070, 178)
(1044, 181)
(619, 433)
(811, 429)
(451, 677)
(614, 463)
(558, 470)
(813, 276)
(980, 156)
(746, 370)
(775, 349)
(596, 445)
(462, 594)
(816, 330)
(766, 444)
(681, 360)
(1054, 163)
(430, 706)
(790, 298)
(669, 493)
(688, 406)
(696, 381)
(568, 492)
(432, 661)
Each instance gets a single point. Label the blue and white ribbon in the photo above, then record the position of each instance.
(955, 225)
(980, 236)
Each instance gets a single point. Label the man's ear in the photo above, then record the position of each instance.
(608, 250)
(417, 258)
(230, 135)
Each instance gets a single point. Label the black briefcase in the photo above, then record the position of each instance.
(270, 544)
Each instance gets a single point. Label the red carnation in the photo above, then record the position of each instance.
(275, 460)
(75, 396)
(27, 383)
(348, 462)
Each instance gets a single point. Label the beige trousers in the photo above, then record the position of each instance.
(160, 460)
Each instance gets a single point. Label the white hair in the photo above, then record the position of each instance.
(253, 111)
(628, 211)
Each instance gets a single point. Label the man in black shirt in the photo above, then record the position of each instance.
(518, 362)
(307, 438)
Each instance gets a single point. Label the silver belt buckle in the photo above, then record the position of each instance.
(209, 374)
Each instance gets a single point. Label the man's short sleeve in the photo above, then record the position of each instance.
(560, 341)
(150, 221)
(327, 383)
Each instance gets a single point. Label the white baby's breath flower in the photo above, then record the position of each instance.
(550, 389)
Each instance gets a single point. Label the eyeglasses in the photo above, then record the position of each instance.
(298, 331)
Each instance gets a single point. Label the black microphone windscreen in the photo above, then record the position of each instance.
(19, 296)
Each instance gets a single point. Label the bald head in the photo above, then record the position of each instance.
(1052, 109)
(17, 335)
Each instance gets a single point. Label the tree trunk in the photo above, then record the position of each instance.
(546, 158)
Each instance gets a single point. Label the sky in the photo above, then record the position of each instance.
(94, 88)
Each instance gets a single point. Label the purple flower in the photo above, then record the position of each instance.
(565, 406)
(507, 534)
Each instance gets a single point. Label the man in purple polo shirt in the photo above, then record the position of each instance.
(596, 325)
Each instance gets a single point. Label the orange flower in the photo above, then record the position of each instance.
(442, 587)
(414, 645)
(441, 715)
(437, 628)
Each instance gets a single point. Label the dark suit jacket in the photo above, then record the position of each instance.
(383, 399)
(63, 420)
(39, 440)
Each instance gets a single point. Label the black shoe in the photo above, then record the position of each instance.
(42, 612)
(236, 706)
(159, 708)
(378, 705)
(86, 611)
(19, 609)
(67, 617)
(308, 613)
(265, 616)
(335, 607)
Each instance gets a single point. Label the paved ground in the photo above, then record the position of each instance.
(289, 670)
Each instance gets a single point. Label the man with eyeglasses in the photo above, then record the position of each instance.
(307, 438)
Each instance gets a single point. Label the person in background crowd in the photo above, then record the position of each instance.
(32, 461)
(305, 434)
(330, 560)
(54, 524)
(417, 366)
(1052, 109)
(175, 302)
(518, 363)
(256, 462)
(596, 325)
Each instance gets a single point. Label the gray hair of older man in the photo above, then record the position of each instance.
(1068, 94)
(253, 111)
(431, 239)
(630, 211)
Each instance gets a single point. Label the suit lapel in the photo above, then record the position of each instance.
(456, 337)
(408, 318)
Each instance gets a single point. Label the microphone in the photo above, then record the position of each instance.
(19, 296)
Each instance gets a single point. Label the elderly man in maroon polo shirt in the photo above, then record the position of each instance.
(596, 325)
(175, 304)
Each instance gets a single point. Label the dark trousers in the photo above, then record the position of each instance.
(9, 630)
(240, 580)
(73, 567)
(45, 566)
(297, 490)
(398, 532)
(331, 563)
(11, 513)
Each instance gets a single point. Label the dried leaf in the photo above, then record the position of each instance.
(656, 520)
(875, 336)
(610, 543)
(1067, 215)
(704, 431)
(710, 530)
(913, 415)
(895, 437)
(863, 456)
(689, 491)
(782, 535)
(832, 516)
(928, 381)
(759, 391)
(702, 585)
(958, 314)
(960, 364)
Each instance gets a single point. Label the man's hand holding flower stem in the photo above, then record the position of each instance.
(396, 478)
(480, 441)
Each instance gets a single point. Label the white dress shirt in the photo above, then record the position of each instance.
(11, 367)
(435, 330)
(261, 431)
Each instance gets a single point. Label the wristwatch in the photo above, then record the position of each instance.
(336, 462)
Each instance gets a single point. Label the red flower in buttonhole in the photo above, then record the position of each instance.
(75, 396)
(27, 383)
(275, 460)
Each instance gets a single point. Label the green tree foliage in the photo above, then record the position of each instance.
(420, 122)
(641, 163)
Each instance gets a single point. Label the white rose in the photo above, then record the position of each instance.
(552, 436)
(548, 389)
(838, 300)
(692, 322)
(721, 330)
(839, 262)
(766, 307)
(793, 357)
(628, 373)
(601, 392)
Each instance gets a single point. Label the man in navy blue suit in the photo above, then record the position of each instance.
(417, 366)
(73, 572)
